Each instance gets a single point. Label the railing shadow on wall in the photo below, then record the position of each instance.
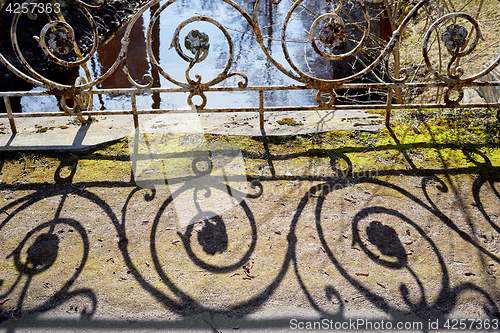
(343, 52)
(377, 231)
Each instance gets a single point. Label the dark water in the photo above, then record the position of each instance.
(248, 55)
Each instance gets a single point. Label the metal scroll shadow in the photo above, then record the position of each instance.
(36, 249)
(374, 231)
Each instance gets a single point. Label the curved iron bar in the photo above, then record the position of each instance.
(330, 36)
(321, 83)
(298, 75)
(147, 77)
(403, 71)
(42, 81)
(454, 77)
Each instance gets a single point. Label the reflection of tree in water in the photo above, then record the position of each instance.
(213, 236)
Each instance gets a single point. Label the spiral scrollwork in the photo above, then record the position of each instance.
(146, 77)
(330, 35)
(455, 41)
(241, 84)
(56, 38)
(61, 40)
(197, 43)
(325, 35)
(402, 71)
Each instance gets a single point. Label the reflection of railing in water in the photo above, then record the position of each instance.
(332, 35)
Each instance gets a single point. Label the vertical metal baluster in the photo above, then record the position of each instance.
(8, 107)
(134, 110)
(261, 110)
(388, 107)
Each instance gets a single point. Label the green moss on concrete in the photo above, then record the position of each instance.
(427, 139)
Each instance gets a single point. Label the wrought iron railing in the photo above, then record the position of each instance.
(337, 34)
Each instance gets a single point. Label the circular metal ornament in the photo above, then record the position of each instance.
(454, 38)
(332, 33)
(456, 98)
(197, 42)
(192, 104)
(331, 18)
(61, 40)
(332, 97)
(195, 37)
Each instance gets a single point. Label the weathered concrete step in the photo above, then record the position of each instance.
(66, 133)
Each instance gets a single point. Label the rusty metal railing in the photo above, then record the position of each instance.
(343, 32)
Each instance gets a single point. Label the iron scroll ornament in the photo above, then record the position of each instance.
(196, 86)
(456, 52)
(37, 79)
(324, 84)
(332, 38)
